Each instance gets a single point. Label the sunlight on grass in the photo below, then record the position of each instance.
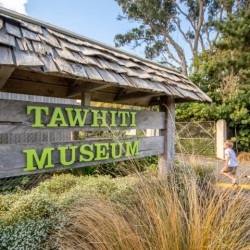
(172, 213)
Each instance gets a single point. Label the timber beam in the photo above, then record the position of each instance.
(85, 87)
(134, 95)
(5, 73)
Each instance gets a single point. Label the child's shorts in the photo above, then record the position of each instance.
(231, 170)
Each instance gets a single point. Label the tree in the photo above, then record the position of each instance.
(169, 27)
(223, 73)
(217, 34)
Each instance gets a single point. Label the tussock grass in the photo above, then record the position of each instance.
(172, 213)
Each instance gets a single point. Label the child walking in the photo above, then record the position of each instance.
(231, 163)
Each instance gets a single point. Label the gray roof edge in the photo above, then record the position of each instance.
(26, 18)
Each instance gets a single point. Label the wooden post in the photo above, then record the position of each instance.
(221, 136)
(166, 160)
(85, 101)
(85, 98)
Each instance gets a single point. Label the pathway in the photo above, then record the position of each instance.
(197, 160)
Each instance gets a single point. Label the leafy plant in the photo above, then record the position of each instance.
(160, 216)
(223, 73)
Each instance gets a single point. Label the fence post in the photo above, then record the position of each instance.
(221, 136)
(166, 160)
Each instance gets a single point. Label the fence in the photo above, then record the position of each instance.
(196, 138)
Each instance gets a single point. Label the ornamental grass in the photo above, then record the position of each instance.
(174, 213)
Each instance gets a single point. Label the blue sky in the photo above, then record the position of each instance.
(96, 19)
(92, 18)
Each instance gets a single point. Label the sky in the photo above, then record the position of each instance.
(96, 19)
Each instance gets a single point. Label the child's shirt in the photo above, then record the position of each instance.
(233, 162)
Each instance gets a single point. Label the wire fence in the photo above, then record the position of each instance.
(196, 138)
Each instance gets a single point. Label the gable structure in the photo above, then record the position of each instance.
(37, 58)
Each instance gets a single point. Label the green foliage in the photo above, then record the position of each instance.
(25, 235)
(88, 170)
(29, 218)
(26, 220)
(13, 183)
(196, 147)
(172, 213)
(236, 40)
(223, 73)
(58, 185)
(160, 22)
(128, 167)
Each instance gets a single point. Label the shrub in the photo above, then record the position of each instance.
(27, 218)
(27, 223)
(160, 219)
(58, 184)
(28, 234)
(135, 212)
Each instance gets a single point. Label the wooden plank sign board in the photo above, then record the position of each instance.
(25, 159)
(30, 158)
(23, 116)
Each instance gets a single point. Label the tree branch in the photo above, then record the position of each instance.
(178, 23)
(208, 37)
(178, 50)
(186, 15)
(169, 63)
(171, 56)
(220, 20)
(198, 29)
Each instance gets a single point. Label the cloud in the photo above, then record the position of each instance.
(16, 5)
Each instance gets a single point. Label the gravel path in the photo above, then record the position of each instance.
(244, 168)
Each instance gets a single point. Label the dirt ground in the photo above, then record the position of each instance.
(244, 168)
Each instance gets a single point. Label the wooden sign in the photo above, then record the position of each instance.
(32, 116)
(39, 158)
(30, 158)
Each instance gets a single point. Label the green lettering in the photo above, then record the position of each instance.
(57, 117)
(99, 115)
(132, 148)
(63, 155)
(101, 151)
(79, 119)
(124, 115)
(86, 149)
(38, 115)
(132, 121)
(116, 150)
(33, 162)
(113, 118)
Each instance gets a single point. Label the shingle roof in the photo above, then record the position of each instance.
(32, 45)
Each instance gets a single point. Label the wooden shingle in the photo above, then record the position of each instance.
(12, 29)
(6, 57)
(6, 38)
(26, 58)
(40, 47)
